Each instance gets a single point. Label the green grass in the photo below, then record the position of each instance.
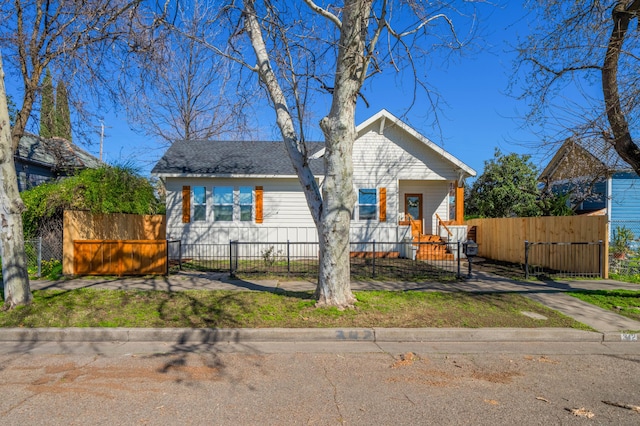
(635, 278)
(623, 302)
(246, 309)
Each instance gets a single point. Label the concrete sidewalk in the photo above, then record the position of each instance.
(609, 325)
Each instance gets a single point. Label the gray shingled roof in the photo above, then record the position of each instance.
(606, 153)
(201, 157)
(56, 153)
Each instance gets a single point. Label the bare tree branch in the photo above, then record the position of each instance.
(325, 13)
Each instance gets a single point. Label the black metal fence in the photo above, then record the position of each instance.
(382, 260)
(560, 259)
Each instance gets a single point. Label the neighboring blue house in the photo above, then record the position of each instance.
(598, 180)
(39, 160)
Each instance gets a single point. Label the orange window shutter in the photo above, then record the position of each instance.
(259, 201)
(186, 204)
(383, 204)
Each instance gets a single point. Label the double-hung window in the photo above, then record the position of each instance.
(367, 204)
(223, 203)
(246, 203)
(199, 204)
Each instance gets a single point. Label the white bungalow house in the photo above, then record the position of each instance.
(219, 191)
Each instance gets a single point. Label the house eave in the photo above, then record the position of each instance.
(25, 160)
(385, 115)
(222, 176)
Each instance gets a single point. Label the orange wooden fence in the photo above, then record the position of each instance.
(82, 226)
(118, 257)
(503, 239)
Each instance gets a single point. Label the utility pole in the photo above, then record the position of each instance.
(102, 127)
(101, 137)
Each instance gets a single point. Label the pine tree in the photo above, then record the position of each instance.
(62, 116)
(47, 113)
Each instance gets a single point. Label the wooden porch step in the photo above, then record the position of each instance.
(431, 251)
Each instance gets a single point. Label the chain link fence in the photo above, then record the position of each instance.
(39, 250)
(33, 250)
(624, 247)
(624, 233)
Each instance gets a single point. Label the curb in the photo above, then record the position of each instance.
(246, 335)
(612, 336)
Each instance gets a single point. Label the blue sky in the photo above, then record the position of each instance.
(478, 116)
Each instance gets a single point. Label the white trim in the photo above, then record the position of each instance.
(376, 204)
(384, 114)
(216, 176)
(192, 213)
(609, 202)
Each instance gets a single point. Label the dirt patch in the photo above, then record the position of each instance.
(405, 360)
(112, 382)
(503, 377)
(504, 269)
(541, 359)
(448, 372)
(61, 368)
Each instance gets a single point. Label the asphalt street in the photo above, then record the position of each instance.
(371, 376)
(552, 384)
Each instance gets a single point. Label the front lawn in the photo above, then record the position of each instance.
(623, 302)
(253, 309)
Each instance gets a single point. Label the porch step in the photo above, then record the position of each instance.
(431, 251)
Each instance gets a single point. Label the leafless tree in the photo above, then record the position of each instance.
(308, 55)
(88, 43)
(14, 260)
(578, 46)
(192, 94)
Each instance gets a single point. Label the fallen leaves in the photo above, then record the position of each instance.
(541, 359)
(581, 412)
(405, 360)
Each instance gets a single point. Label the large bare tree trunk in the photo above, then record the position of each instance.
(331, 211)
(334, 287)
(623, 143)
(15, 278)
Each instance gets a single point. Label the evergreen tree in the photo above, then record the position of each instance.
(508, 187)
(47, 113)
(62, 117)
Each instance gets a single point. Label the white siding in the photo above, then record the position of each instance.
(403, 165)
(394, 160)
(286, 215)
(397, 155)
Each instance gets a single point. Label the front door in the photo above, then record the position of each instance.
(413, 207)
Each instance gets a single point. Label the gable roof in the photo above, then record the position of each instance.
(231, 158)
(385, 117)
(265, 159)
(55, 153)
(599, 158)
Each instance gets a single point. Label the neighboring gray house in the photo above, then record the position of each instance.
(39, 160)
(248, 191)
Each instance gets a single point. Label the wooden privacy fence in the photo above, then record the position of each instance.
(118, 257)
(98, 236)
(504, 239)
